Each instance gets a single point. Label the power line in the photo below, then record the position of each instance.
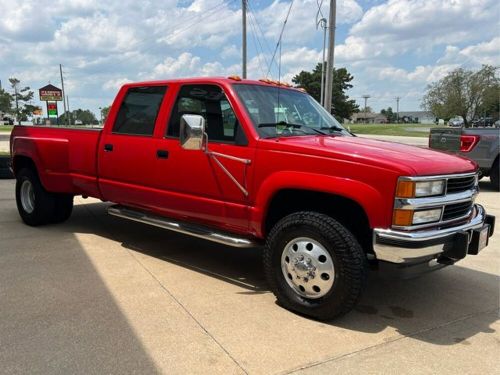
(254, 33)
(263, 53)
(280, 37)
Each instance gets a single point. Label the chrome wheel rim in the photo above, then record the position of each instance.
(308, 267)
(28, 196)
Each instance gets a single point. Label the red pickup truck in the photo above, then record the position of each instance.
(249, 163)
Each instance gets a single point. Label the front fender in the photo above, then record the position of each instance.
(371, 200)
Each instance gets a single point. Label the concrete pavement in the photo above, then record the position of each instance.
(4, 142)
(103, 295)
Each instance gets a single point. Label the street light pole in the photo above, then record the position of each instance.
(397, 109)
(366, 97)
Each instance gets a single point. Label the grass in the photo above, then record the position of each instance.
(4, 153)
(406, 130)
(6, 128)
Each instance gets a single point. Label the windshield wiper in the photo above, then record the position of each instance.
(290, 125)
(332, 128)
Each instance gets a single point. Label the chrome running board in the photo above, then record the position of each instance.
(194, 230)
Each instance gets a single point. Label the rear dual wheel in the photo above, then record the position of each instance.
(37, 206)
(314, 265)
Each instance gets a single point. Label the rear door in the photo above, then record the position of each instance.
(128, 150)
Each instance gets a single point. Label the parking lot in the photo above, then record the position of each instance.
(102, 295)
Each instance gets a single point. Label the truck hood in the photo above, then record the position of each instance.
(409, 160)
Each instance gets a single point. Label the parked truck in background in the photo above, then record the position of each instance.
(479, 144)
(257, 163)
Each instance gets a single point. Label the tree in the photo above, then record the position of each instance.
(389, 114)
(463, 92)
(21, 96)
(342, 106)
(84, 115)
(5, 102)
(105, 113)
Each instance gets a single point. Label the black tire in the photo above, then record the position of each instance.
(349, 261)
(44, 202)
(63, 208)
(495, 181)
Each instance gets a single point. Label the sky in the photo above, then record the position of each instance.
(392, 48)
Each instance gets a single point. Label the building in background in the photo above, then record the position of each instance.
(417, 117)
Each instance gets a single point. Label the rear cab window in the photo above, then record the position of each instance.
(139, 110)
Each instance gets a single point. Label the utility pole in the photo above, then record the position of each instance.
(397, 109)
(244, 38)
(329, 64)
(366, 97)
(323, 22)
(64, 96)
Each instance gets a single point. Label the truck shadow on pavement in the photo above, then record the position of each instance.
(56, 313)
(413, 307)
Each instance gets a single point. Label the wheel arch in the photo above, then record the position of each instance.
(356, 205)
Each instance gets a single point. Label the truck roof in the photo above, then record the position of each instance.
(219, 80)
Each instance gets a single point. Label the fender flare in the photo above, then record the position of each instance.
(363, 194)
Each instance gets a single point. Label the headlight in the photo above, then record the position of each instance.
(412, 189)
(429, 188)
(405, 218)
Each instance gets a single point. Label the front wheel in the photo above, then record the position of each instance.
(314, 265)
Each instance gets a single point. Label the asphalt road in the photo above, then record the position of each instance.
(99, 294)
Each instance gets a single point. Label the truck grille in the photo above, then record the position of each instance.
(457, 185)
(457, 210)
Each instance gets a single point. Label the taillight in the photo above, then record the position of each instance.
(467, 142)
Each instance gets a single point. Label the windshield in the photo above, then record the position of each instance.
(280, 112)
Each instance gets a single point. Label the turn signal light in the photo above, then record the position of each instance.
(405, 189)
(403, 218)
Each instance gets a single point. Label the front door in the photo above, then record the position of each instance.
(195, 184)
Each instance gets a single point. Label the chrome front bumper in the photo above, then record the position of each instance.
(405, 247)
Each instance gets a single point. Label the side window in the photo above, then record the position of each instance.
(138, 111)
(210, 102)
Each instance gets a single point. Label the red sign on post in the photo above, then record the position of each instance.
(50, 93)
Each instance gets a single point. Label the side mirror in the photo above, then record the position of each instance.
(192, 132)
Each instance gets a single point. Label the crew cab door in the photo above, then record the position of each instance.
(128, 149)
(194, 184)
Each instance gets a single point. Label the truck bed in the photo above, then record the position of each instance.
(66, 158)
(484, 152)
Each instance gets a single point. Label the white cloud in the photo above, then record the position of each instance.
(396, 47)
(416, 26)
(115, 84)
